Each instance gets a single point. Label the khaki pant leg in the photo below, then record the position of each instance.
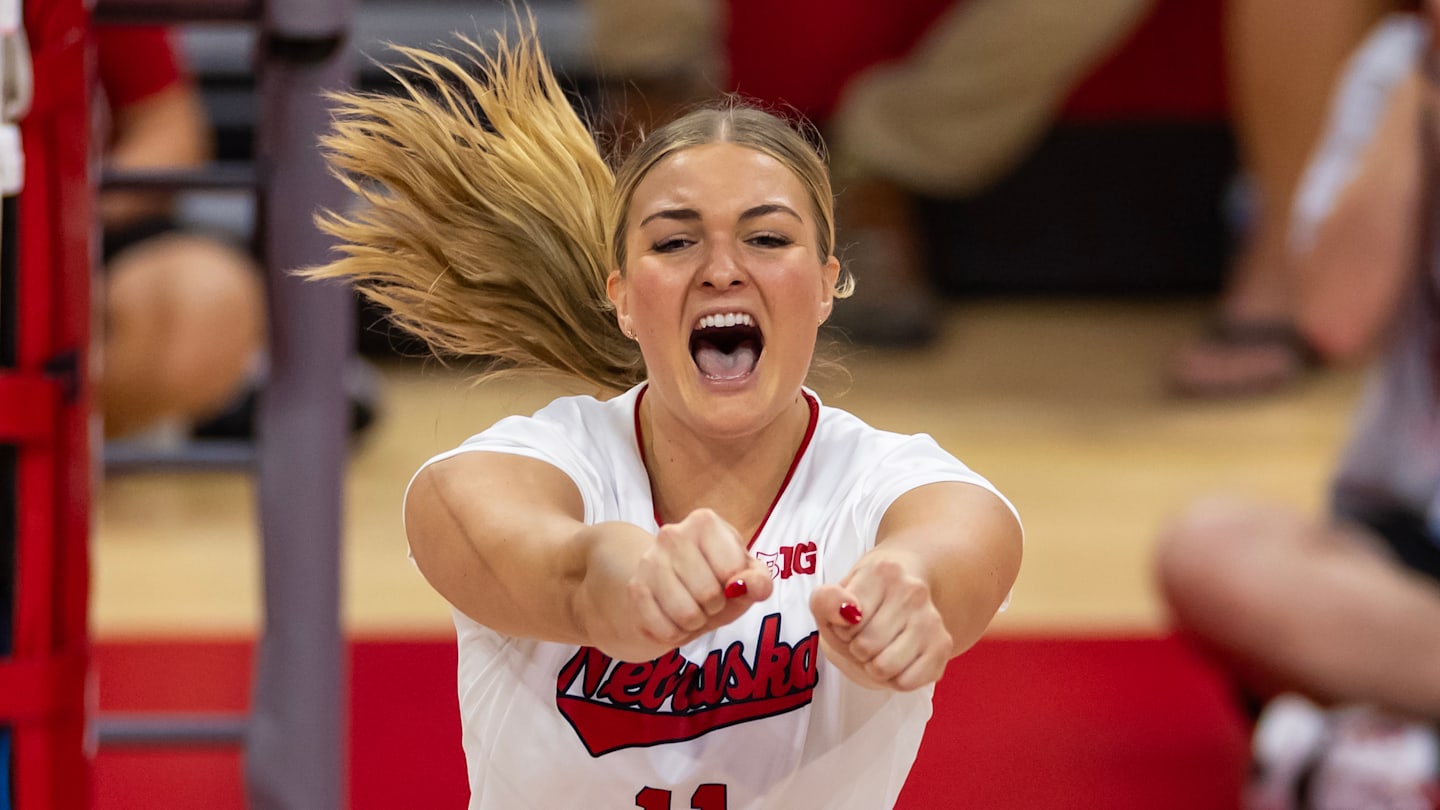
(656, 39)
(977, 93)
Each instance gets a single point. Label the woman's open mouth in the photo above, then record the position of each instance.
(726, 346)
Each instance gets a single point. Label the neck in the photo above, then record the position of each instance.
(738, 477)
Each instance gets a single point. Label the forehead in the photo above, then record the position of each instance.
(719, 176)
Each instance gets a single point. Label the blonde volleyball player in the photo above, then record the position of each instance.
(699, 588)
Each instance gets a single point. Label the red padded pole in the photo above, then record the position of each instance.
(47, 420)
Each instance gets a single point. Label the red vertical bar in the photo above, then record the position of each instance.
(51, 766)
(77, 467)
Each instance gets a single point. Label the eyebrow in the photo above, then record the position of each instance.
(672, 213)
(769, 208)
(750, 213)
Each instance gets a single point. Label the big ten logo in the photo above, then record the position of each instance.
(790, 560)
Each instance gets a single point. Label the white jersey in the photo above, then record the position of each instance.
(749, 716)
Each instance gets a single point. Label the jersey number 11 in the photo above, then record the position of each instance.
(706, 797)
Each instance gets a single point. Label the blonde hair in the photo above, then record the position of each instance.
(489, 220)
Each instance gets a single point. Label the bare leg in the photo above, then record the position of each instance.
(1298, 604)
(1363, 251)
(1282, 85)
(184, 320)
(1282, 74)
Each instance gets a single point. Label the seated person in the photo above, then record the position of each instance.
(1339, 616)
(183, 311)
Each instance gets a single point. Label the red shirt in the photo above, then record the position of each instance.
(135, 62)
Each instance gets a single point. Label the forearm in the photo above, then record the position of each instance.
(599, 603)
(569, 585)
(964, 543)
(945, 556)
(168, 130)
(512, 565)
(503, 539)
(968, 577)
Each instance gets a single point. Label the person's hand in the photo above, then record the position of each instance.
(694, 577)
(880, 626)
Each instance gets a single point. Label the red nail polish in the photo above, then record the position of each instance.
(736, 588)
(850, 612)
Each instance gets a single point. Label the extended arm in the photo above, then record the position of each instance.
(945, 556)
(165, 130)
(502, 538)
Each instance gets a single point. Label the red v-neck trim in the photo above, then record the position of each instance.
(790, 473)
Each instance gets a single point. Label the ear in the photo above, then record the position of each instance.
(829, 276)
(618, 291)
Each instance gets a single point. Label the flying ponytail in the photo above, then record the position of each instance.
(481, 218)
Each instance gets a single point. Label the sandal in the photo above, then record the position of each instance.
(1242, 357)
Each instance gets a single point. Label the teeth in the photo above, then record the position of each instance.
(726, 319)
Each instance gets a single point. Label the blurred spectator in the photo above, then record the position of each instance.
(1340, 616)
(948, 117)
(1280, 80)
(963, 108)
(183, 310)
(654, 59)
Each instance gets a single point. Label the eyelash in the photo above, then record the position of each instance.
(670, 245)
(768, 240)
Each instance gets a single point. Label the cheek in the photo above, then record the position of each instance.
(650, 295)
(802, 305)
(805, 290)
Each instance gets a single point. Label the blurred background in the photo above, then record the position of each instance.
(1096, 183)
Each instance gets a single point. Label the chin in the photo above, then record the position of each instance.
(734, 408)
(739, 386)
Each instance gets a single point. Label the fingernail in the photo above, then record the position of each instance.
(850, 612)
(736, 588)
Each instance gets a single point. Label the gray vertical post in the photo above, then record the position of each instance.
(295, 752)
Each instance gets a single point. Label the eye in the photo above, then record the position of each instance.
(770, 240)
(671, 244)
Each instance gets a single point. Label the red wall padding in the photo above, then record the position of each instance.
(802, 52)
(1171, 68)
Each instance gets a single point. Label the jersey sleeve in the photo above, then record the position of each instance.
(542, 439)
(915, 462)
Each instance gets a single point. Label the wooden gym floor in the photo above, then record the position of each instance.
(1060, 403)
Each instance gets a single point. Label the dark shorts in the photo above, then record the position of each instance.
(1404, 532)
(115, 240)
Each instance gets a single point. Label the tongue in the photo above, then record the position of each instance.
(719, 365)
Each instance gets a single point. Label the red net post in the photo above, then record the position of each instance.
(44, 419)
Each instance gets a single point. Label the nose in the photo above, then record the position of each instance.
(723, 268)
